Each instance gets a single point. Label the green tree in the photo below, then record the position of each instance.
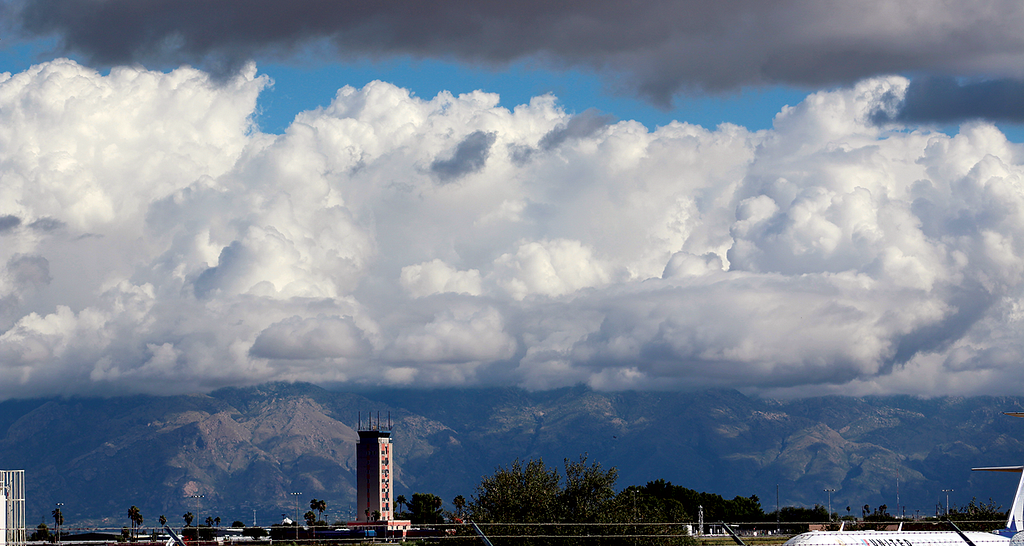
(977, 516)
(426, 508)
(188, 517)
(401, 501)
(534, 493)
(517, 493)
(634, 505)
(716, 508)
(587, 492)
(800, 514)
(310, 517)
(880, 514)
(238, 524)
(42, 533)
(162, 520)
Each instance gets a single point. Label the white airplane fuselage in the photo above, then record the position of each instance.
(895, 538)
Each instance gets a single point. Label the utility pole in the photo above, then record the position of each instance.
(778, 525)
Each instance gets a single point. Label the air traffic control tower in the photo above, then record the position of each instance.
(374, 464)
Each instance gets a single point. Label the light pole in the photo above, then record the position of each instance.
(947, 492)
(197, 497)
(830, 491)
(58, 517)
(778, 519)
(296, 495)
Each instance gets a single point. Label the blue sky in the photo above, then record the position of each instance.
(310, 78)
(307, 83)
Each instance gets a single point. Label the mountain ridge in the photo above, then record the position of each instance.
(248, 448)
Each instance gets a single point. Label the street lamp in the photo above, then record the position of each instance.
(197, 497)
(58, 517)
(947, 492)
(830, 491)
(296, 495)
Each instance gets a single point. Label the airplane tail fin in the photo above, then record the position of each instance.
(1015, 521)
(175, 540)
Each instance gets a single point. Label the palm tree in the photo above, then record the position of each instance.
(319, 505)
(58, 520)
(188, 517)
(401, 501)
(216, 521)
(135, 516)
(459, 503)
(163, 520)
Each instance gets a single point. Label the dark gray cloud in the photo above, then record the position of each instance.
(470, 156)
(663, 46)
(9, 222)
(322, 337)
(945, 100)
(29, 271)
(47, 224)
(232, 257)
(581, 126)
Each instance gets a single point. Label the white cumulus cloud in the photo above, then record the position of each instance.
(152, 239)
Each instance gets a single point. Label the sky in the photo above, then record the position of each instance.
(788, 198)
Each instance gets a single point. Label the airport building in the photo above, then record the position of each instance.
(12, 507)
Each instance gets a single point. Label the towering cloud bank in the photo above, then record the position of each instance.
(152, 239)
(663, 46)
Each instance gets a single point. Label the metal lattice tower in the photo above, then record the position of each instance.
(12, 507)
(700, 521)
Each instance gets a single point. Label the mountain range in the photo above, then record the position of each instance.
(240, 453)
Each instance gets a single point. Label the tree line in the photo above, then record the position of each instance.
(532, 499)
